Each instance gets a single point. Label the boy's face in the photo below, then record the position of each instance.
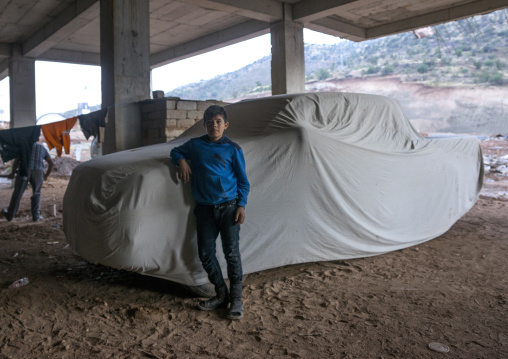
(215, 127)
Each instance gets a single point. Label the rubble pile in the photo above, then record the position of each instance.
(63, 167)
(495, 154)
(497, 165)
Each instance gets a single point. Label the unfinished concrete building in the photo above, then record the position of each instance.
(128, 38)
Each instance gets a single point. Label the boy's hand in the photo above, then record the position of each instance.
(239, 215)
(184, 171)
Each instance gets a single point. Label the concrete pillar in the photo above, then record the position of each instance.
(125, 66)
(288, 60)
(22, 89)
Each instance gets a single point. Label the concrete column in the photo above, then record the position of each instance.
(22, 89)
(125, 66)
(288, 60)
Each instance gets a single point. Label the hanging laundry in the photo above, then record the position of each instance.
(93, 124)
(57, 134)
(17, 143)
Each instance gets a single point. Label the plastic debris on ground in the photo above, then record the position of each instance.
(438, 347)
(20, 283)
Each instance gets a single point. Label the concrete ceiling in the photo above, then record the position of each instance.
(68, 30)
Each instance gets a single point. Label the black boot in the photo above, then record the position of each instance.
(221, 300)
(236, 308)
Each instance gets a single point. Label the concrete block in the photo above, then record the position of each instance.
(187, 105)
(161, 123)
(185, 123)
(171, 104)
(155, 105)
(176, 114)
(157, 115)
(173, 133)
(171, 126)
(195, 115)
(203, 105)
(170, 122)
(158, 94)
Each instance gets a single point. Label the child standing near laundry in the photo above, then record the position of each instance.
(220, 188)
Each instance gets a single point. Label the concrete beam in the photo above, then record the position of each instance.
(335, 27)
(232, 35)
(288, 58)
(5, 50)
(64, 25)
(72, 57)
(21, 89)
(437, 17)
(125, 64)
(4, 69)
(309, 10)
(262, 10)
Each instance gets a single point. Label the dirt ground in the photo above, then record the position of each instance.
(451, 290)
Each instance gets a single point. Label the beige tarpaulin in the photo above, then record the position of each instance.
(333, 176)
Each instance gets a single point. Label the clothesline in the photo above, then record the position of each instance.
(17, 142)
(57, 133)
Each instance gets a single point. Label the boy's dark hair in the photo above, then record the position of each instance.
(213, 111)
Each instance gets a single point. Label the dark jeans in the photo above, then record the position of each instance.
(36, 178)
(210, 221)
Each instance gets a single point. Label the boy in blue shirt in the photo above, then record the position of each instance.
(220, 189)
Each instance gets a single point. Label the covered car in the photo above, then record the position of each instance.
(333, 176)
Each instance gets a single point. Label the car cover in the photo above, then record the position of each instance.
(333, 176)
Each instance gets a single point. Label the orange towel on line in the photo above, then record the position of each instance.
(57, 134)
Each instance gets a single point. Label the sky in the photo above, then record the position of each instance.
(59, 87)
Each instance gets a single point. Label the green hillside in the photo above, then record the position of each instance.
(472, 51)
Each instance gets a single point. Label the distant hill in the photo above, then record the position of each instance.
(470, 53)
(74, 112)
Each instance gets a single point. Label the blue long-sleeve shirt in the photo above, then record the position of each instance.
(218, 170)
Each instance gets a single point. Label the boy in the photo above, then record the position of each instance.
(220, 189)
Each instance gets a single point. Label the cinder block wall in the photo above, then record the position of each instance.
(167, 118)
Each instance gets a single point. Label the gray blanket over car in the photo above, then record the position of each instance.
(333, 176)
